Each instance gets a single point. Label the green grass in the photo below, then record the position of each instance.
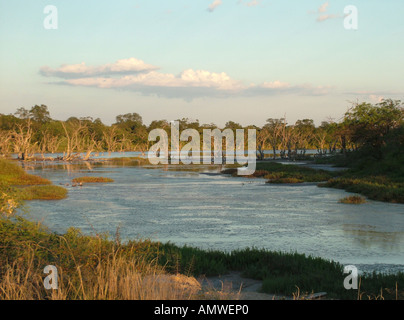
(16, 185)
(280, 173)
(50, 192)
(92, 180)
(12, 174)
(375, 188)
(129, 161)
(284, 180)
(378, 176)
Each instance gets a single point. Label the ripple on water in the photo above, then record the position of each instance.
(226, 213)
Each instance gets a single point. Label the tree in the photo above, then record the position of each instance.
(367, 125)
(22, 140)
(129, 121)
(22, 113)
(39, 114)
(5, 142)
(304, 133)
(275, 128)
(73, 130)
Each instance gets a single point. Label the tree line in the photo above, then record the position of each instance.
(32, 132)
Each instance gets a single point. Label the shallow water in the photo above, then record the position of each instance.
(226, 213)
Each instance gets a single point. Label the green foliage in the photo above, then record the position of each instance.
(368, 125)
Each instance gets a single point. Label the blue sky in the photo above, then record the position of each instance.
(211, 60)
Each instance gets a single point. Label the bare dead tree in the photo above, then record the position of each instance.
(5, 142)
(262, 138)
(92, 144)
(22, 140)
(320, 139)
(110, 138)
(73, 131)
(275, 129)
(49, 143)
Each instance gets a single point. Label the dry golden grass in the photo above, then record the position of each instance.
(115, 279)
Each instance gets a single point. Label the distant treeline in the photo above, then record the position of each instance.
(32, 131)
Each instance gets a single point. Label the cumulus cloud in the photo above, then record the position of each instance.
(186, 79)
(135, 75)
(120, 67)
(214, 5)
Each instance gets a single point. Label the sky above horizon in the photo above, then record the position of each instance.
(211, 60)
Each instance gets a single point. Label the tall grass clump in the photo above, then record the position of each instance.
(353, 200)
(89, 267)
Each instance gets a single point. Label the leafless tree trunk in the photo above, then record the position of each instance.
(74, 141)
(110, 138)
(22, 137)
(5, 142)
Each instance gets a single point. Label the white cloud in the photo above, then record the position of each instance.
(276, 85)
(123, 66)
(135, 75)
(214, 5)
(187, 78)
(376, 98)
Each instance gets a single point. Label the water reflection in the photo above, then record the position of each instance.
(368, 236)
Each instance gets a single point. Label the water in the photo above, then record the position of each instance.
(226, 213)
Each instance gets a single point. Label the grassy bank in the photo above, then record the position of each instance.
(275, 172)
(17, 186)
(380, 179)
(96, 267)
(14, 175)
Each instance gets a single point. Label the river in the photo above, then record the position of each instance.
(220, 212)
